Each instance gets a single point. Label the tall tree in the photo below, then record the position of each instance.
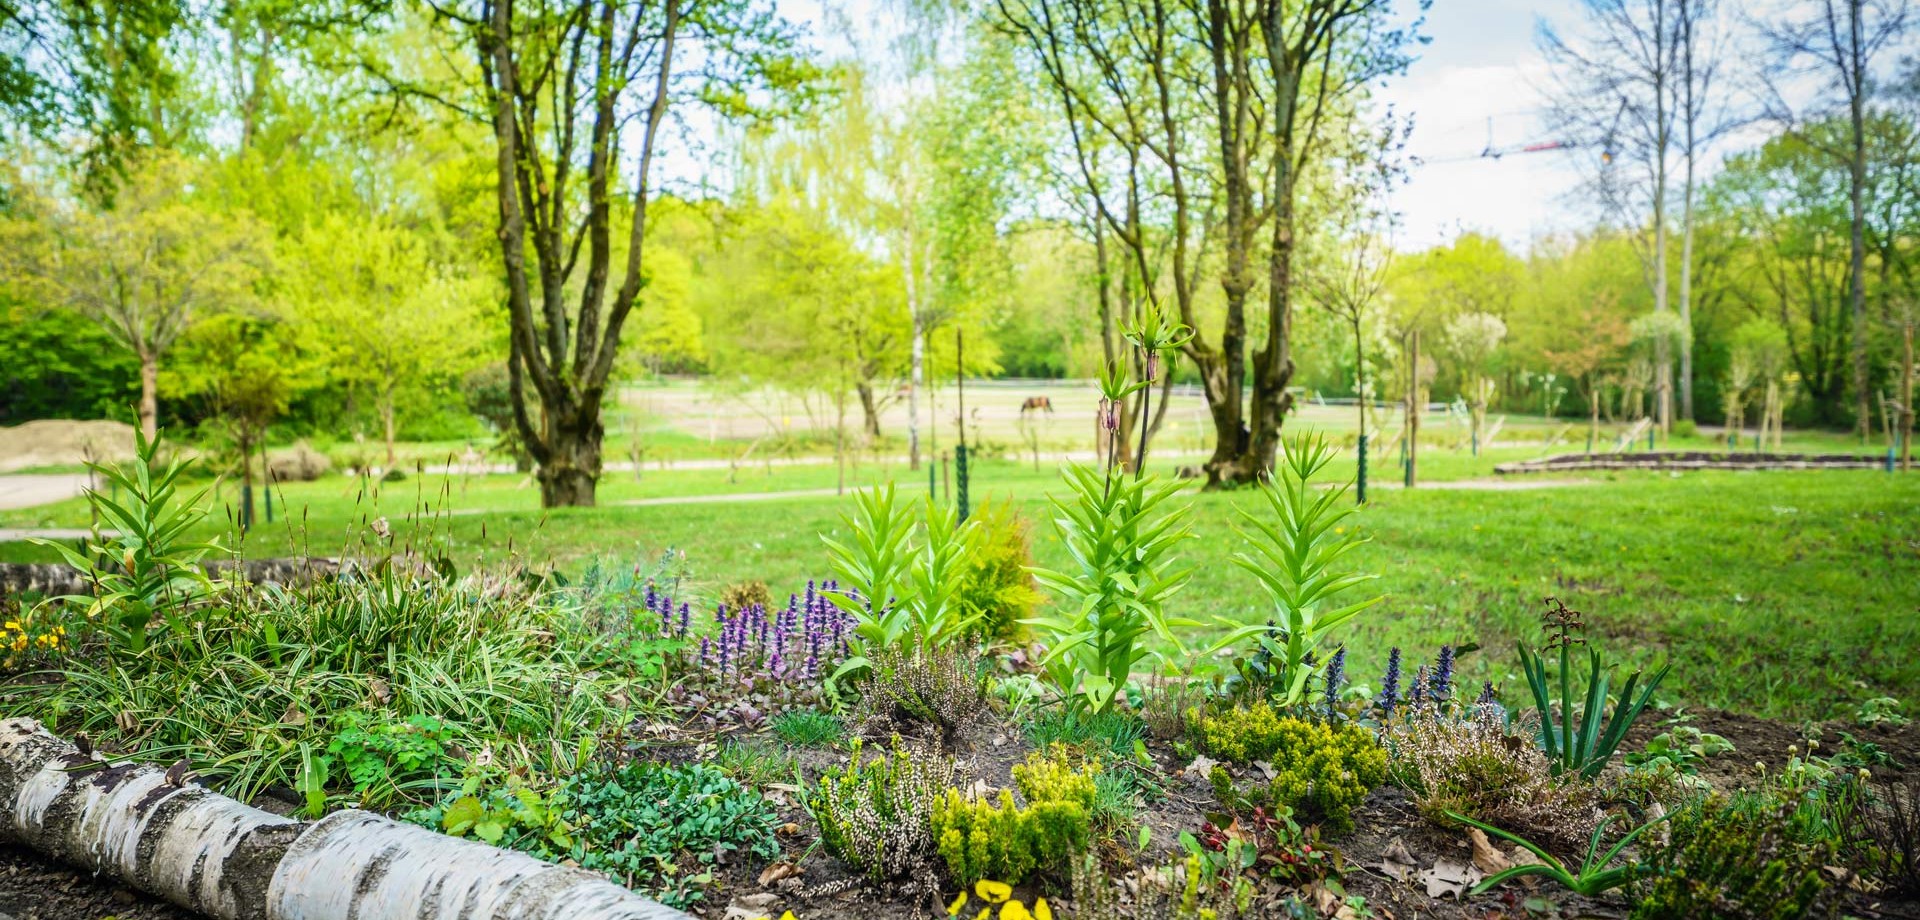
(1616, 92)
(559, 79)
(146, 270)
(1844, 41)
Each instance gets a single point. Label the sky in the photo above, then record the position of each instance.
(1484, 71)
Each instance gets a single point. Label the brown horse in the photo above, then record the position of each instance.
(1032, 403)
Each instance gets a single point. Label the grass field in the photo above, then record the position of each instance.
(1788, 594)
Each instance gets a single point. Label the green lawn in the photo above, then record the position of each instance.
(1789, 594)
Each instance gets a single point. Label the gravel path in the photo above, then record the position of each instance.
(25, 490)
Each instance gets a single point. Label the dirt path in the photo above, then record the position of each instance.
(26, 490)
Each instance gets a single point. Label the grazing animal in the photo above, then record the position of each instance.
(1033, 403)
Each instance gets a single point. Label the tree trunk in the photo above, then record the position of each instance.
(386, 422)
(1415, 407)
(1906, 398)
(1686, 282)
(149, 395)
(1857, 255)
(569, 472)
(917, 373)
(870, 410)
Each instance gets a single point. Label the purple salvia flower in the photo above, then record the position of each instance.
(1336, 675)
(1442, 688)
(705, 645)
(1390, 684)
(1418, 696)
(686, 616)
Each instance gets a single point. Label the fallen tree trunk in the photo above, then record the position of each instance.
(151, 830)
(1692, 460)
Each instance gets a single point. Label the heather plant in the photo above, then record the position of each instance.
(941, 688)
(1476, 766)
(1121, 541)
(876, 816)
(1000, 840)
(1296, 558)
(1584, 740)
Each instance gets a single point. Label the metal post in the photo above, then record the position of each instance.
(1361, 480)
(960, 396)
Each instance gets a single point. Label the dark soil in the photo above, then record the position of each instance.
(32, 888)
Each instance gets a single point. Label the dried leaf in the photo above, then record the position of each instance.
(1396, 862)
(1485, 857)
(293, 716)
(1266, 769)
(1198, 771)
(1450, 878)
(382, 694)
(776, 871)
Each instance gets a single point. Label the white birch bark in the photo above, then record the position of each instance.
(209, 853)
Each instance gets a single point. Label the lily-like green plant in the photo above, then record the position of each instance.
(1582, 741)
(149, 568)
(1295, 554)
(901, 592)
(1595, 876)
(1122, 541)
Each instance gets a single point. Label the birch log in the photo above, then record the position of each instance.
(211, 854)
(197, 849)
(356, 865)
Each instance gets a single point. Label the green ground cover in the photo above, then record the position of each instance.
(1789, 594)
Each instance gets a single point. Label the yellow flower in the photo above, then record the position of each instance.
(953, 910)
(1014, 910)
(993, 892)
(20, 642)
(13, 624)
(1041, 911)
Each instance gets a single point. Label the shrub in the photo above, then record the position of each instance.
(979, 839)
(1325, 768)
(807, 727)
(877, 816)
(1475, 767)
(745, 594)
(1891, 834)
(1732, 860)
(997, 591)
(299, 463)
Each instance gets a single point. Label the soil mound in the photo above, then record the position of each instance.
(63, 442)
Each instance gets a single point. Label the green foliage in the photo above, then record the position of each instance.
(1005, 842)
(1881, 710)
(943, 689)
(1114, 530)
(1679, 750)
(149, 569)
(55, 364)
(1582, 743)
(1733, 860)
(510, 813)
(1318, 766)
(877, 816)
(901, 592)
(997, 591)
(807, 727)
(657, 828)
(1596, 873)
(382, 758)
(1114, 732)
(755, 764)
(1295, 559)
(500, 669)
